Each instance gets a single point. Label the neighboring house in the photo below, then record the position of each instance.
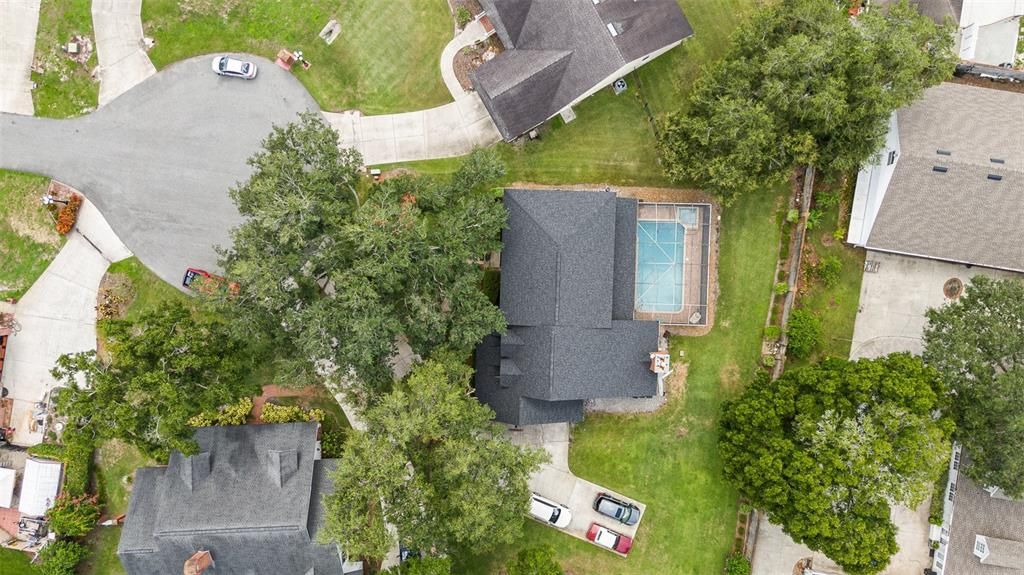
(559, 52)
(571, 285)
(987, 30)
(247, 503)
(950, 181)
(983, 529)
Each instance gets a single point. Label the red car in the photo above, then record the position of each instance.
(607, 538)
(204, 282)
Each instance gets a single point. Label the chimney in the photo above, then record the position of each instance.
(198, 562)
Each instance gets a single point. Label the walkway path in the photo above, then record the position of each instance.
(123, 60)
(57, 316)
(18, 22)
(471, 34)
(159, 160)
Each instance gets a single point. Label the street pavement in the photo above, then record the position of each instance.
(18, 22)
(159, 160)
(123, 60)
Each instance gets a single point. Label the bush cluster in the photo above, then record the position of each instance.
(233, 414)
(61, 557)
(828, 271)
(737, 565)
(73, 516)
(76, 454)
(68, 214)
(332, 444)
(804, 332)
(273, 413)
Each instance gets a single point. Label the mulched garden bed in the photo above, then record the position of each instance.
(472, 57)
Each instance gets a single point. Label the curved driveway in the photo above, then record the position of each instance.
(158, 161)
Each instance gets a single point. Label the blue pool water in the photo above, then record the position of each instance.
(659, 265)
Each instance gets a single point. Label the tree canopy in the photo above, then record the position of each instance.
(826, 449)
(802, 83)
(977, 345)
(433, 464)
(166, 367)
(334, 274)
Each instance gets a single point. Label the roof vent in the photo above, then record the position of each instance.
(997, 160)
(282, 465)
(198, 562)
(940, 169)
(614, 28)
(995, 177)
(944, 152)
(194, 469)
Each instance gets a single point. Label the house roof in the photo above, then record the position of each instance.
(567, 283)
(977, 513)
(557, 51)
(250, 496)
(959, 214)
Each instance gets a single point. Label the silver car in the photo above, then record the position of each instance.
(228, 66)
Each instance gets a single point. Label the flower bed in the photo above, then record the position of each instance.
(68, 215)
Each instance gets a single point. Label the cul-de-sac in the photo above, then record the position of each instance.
(512, 287)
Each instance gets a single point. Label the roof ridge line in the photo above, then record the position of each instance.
(562, 56)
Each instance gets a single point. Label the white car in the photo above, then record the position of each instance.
(549, 512)
(228, 66)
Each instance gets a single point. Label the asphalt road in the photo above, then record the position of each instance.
(159, 160)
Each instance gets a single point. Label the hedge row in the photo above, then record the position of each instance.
(76, 455)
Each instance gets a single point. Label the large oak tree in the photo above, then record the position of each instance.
(825, 450)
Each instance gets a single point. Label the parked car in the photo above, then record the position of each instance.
(549, 512)
(607, 538)
(228, 66)
(621, 511)
(203, 281)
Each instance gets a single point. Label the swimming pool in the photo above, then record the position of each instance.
(659, 264)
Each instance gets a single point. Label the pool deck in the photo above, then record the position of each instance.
(695, 280)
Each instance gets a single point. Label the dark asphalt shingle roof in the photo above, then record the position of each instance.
(567, 283)
(558, 50)
(975, 512)
(237, 512)
(958, 215)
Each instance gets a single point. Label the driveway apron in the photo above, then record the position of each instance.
(18, 22)
(123, 60)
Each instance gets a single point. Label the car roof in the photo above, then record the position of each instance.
(606, 536)
(233, 64)
(540, 506)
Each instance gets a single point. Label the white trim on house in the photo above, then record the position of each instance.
(872, 182)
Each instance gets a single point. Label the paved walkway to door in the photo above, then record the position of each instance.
(123, 60)
(18, 22)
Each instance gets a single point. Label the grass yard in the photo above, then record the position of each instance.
(28, 240)
(15, 563)
(670, 460)
(385, 60)
(149, 290)
(835, 306)
(114, 471)
(65, 87)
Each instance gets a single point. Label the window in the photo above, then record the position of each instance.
(892, 158)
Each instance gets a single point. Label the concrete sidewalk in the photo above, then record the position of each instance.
(18, 22)
(123, 60)
(442, 132)
(471, 34)
(57, 315)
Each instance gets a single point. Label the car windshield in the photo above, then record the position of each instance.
(223, 65)
(555, 513)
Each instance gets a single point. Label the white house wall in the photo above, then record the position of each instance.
(997, 42)
(985, 12)
(988, 31)
(872, 182)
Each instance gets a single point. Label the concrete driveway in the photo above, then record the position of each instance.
(159, 160)
(18, 22)
(442, 132)
(123, 60)
(557, 482)
(894, 298)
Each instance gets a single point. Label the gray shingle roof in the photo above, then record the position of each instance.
(958, 215)
(567, 283)
(235, 509)
(977, 513)
(558, 50)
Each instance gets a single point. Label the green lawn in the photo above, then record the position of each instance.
(385, 60)
(28, 240)
(15, 563)
(65, 88)
(670, 460)
(148, 289)
(836, 307)
(116, 463)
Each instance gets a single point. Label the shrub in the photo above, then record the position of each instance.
(76, 455)
(233, 414)
(463, 16)
(535, 561)
(828, 270)
(840, 234)
(804, 332)
(772, 332)
(827, 200)
(781, 288)
(793, 216)
(73, 516)
(814, 219)
(332, 444)
(61, 557)
(273, 413)
(423, 566)
(68, 214)
(737, 565)
(768, 360)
